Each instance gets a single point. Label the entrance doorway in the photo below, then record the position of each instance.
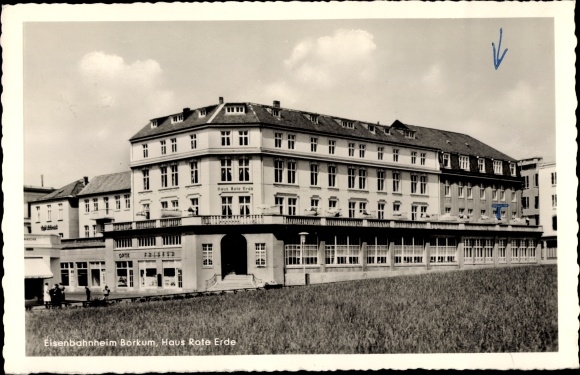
(234, 255)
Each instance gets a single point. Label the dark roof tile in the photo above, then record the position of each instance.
(108, 183)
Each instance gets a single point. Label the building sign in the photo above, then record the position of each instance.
(498, 207)
(49, 227)
(235, 188)
(147, 254)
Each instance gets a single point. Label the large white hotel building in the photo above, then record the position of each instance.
(280, 196)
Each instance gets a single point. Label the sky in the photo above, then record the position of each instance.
(89, 86)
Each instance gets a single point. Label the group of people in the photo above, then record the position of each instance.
(53, 297)
(106, 293)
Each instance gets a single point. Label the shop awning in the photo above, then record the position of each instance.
(35, 268)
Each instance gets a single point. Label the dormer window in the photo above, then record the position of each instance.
(464, 162)
(481, 165)
(153, 123)
(409, 134)
(387, 131)
(497, 167)
(177, 118)
(312, 118)
(446, 161)
(235, 109)
(513, 169)
(372, 129)
(347, 124)
(275, 112)
(202, 112)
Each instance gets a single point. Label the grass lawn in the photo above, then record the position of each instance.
(484, 310)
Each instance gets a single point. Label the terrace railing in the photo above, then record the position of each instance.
(232, 220)
(301, 220)
(171, 222)
(146, 224)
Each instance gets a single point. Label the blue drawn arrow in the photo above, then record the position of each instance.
(496, 59)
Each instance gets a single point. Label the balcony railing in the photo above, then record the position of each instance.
(314, 220)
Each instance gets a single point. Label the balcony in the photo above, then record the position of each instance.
(77, 243)
(316, 221)
(106, 214)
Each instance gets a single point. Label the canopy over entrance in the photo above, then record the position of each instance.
(35, 268)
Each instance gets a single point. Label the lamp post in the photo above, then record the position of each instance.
(302, 240)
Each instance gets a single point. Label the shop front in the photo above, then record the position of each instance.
(148, 271)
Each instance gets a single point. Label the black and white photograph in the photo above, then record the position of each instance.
(285, 186)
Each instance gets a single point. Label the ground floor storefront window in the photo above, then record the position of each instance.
(98, 274)
(172, 277)
(65, 272)
(148, 274)
(124, 274)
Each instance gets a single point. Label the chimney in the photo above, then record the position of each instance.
(276, 104)
(42, 180)
(221, 100)
(186, 110)
(86, 180)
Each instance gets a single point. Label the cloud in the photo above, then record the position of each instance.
(344, 57)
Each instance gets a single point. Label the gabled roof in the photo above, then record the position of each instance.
(423, 137)
(69, 191)
(108, 183)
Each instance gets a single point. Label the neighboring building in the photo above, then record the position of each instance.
(531, 192)
(41, 264)
(57, 212)
(32, 193)
(285, 196)
(105, 199)
(549, 208)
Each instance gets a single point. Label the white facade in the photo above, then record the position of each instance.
(548, 199)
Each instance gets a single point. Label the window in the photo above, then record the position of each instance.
(482, 213)
(514, 196)
(501, 193)
(291, 172)
(313, 174)
(106, 201)
(172, 240)
(443, 250)
(163, 176)
(124, 274)
(361, 151)
(194, 206)
(380, 180)
(423, 184)
(175, 204)
(312, 118)
(95, 204)
(145, 173)
(536, 180)
(123, 243)
(414, 209)
(351, 149)
(177, 118)
(60, 211)
(381, 210)
(526, 202)
(362, 179)
(414, 181)
(291, 141)
(174, 175)
(194, 172)
(314, 203)
(87, 233)
(447, 189)
(497, 167)
(351, 177)
(82, 274)
(278, 140)
(244, 205)
(423, 158)
(494, 193)
(372, 129)
(482, 192)
(409, 250)
(332, 203)
(236, 109)
(460, 189)
(145, 150)
(469, 191)
(413, 157)
(207, 254)
(163, 147)
(260, 255)
(193, 141)
(512, 169)
(331, 176)
(292, 203)
(313, 144)
(347, 124)
(244, 169)
(380, 153)
(409, 134)
(553, 178)
(396, 207)
(202, 112)
(446, 161)
(464, 162)
(243, 138)
(331, 147)
(117, 202)
(146, 241)
(447, 210)
(48, 213)
(395, 154)
(526, 182)
(65, 269)
(278, 170)
(227, 206)
(481, 165)
(87, 209)
(226, 137)
(226, 169)
(362, 207)
(554, 200)
(351, 209)
(279, 202)
(396, 181)
(173, 144)
(127, 200)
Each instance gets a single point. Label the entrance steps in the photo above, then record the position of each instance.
(233, 282)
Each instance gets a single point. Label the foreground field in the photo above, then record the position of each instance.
(485, 310)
